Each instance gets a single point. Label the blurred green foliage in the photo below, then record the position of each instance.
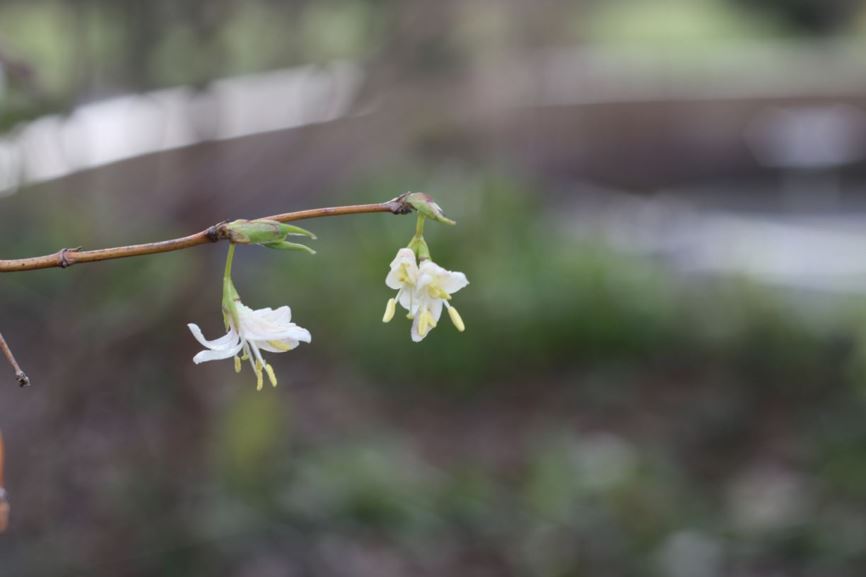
(598, 415)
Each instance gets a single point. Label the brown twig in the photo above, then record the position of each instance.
(67, 257)
(23, 380)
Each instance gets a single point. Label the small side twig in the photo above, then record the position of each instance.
(23, 379)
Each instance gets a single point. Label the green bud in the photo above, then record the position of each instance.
(419, 247)
(424, 204)
(261, 231)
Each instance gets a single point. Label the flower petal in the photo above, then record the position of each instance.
(278, 346)
(453, 282)
(302, 334)
(392, 281)
(403, 264)
(416, 337)
(217, 355)
(276, 333)
(294, 333)
(404, 256)
(228, 340)
(431, 268)
(282, 315)
(266, 325)
(406, 299)
(435, 308)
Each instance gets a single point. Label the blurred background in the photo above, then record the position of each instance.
(662, 214)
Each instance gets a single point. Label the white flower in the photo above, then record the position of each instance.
(402, 278)
(433, 290)
(423, 291)
(253, 331)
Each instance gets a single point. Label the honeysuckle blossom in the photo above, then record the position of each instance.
(433, 291)
(250, 332)
(423, 291)
(403, 277)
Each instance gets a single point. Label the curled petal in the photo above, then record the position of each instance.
(217, 354)
(226, 341)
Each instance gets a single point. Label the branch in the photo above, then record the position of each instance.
(23, 380)
(69, 256)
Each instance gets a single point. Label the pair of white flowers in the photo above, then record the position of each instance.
(423, 291)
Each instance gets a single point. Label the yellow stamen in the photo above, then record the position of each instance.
(260, 381)
(455, 319)
(237, 364)
(438, 293)
(281, 346)
(403, 277)
(426, 323)
(422, 324)
(390, 309)
(271, 375)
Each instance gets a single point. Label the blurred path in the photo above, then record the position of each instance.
(791, 249)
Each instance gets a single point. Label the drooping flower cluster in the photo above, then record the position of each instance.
(423, 291)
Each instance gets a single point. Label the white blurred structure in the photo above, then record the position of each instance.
(128, 126)
(809, 137)
(801, 251)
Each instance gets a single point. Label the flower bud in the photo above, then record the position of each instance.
(269, 233)
(419, 246)
(424, 204)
